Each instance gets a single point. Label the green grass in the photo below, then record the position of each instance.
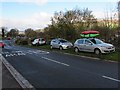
(110, 56)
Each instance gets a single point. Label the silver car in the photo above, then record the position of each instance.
(93, 45)
(39, 41)
(60, 43)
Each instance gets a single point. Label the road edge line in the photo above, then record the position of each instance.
(18, 77)
(90, 57)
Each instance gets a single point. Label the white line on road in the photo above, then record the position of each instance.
(55, 61)
(111, 78)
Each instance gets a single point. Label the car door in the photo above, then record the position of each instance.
(80, 44)
(88, 46)
(40, 41)
(55, 43)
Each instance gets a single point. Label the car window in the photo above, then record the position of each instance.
(93, 40)
(87, 42)
(98, 41)
(36, 40)
(42, 39)
(80, 41)
(63, 41)
(54, 41)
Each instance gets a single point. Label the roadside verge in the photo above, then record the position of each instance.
(81, 54)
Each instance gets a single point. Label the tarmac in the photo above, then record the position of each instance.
(8, 82)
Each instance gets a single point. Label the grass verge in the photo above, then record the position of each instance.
(110, 56)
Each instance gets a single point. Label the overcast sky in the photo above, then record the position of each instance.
(23, 14)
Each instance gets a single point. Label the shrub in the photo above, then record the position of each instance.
(21, 41)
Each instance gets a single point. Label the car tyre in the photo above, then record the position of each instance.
(76, 50)
(37, 44)
(61, 48)
(33, 44)
(97, 51)
(51, 47)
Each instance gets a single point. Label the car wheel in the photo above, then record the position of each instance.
(97, 51)
(51, 47)
(33, 44)
(37, 44)
(76, 50)
(61, 48)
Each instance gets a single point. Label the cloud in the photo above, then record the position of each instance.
(103, 15)
(41, 20)
(45, 1)
(39, 2)
(36, 21)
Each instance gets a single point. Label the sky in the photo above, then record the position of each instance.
(36, 14)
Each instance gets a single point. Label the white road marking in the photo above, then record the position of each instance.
(37, 52)
(13, 53)
(55, 61)
(7, 55)
(20, 53)
(111, 78)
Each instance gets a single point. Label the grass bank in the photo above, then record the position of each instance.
(110, 56)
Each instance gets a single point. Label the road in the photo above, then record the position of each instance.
(49, 69)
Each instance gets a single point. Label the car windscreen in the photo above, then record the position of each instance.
(63, 41)
(96, 41)
(42, 39)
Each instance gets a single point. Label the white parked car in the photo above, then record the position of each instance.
(60, 43)
(39, 41)
(93, 45)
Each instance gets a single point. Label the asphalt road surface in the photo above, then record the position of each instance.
(48, 69)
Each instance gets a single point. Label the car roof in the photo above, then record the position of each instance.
(86, 38)
(58, 39)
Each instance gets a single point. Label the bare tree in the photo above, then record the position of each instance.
(119, 12)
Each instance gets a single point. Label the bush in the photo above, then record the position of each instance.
(17, 41)
(21, 41)
(24, 42)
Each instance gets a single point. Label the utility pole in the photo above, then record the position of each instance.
(3, 32)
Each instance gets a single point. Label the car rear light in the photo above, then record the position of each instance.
(4, 44)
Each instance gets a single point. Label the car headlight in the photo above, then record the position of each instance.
(64, 45)
(103, 47)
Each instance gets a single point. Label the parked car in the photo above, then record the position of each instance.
(60, 43)
(93, 45)
(2, 44)
(39, 41)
